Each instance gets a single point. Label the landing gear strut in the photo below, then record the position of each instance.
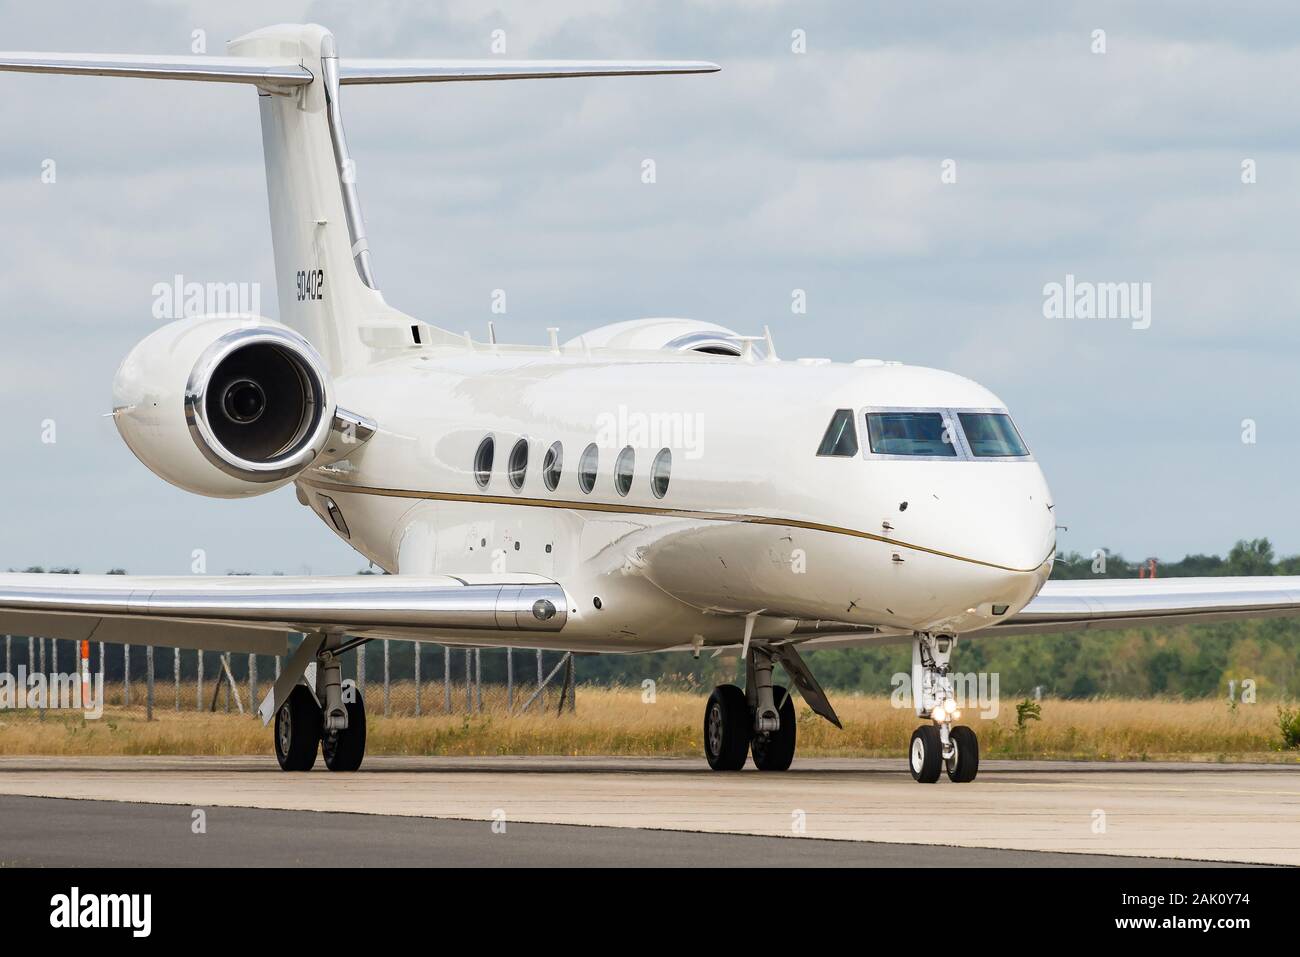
(330, 719)
(772, 737)
(939, 746)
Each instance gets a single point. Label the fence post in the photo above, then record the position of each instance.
(478, 680)
(198, 686)
(126, 676)
(252, 681)
(9, 648)
(572, 679)
(361, 669)
(102, 675)
(446, 679)
(47, 677)
(510, 679)
(387, 689)
(148, 683)
(469, 682)
(176, 675)
(415, 645)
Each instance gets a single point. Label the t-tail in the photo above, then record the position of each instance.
(324, 275)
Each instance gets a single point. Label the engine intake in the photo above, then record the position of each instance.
(255, 404)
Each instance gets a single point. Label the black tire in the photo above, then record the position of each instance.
(343, 750)
(966, 759)
(297, 730)
(726, 728)
(774, 750)
(925, 755)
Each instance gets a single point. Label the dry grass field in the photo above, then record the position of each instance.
(617, 722)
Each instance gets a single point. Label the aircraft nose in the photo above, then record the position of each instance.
(1001, 515)
(1021, 527)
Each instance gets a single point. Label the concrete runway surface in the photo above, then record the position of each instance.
(829, 811)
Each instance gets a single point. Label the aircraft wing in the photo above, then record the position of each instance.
(1104, 603)
(1129, 602)
(256, 614)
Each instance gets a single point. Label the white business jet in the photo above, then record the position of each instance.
(661, 484)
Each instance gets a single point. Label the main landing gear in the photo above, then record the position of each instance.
(939, 746)
(330, 719)
(730, 734)
(760, 721)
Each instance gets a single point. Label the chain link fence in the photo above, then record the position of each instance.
(397, 678)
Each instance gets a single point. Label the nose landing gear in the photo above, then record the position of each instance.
(939, 746)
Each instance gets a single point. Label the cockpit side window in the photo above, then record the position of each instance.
(992, 435)
(841, 438)
(911, 433)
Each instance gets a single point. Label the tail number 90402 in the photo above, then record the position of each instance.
(311, 284)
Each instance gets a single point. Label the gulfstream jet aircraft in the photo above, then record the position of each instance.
(825, 504)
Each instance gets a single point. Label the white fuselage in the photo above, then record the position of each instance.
(753, 520)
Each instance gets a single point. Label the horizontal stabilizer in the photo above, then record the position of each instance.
(450, 71)
(218, 69)
(290, 73)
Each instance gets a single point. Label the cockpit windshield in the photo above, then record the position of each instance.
(991, 434)
(939, 433)
(911, 433)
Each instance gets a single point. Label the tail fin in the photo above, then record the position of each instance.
(324, 277)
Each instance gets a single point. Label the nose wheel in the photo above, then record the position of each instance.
(965, 761)
(927, 757)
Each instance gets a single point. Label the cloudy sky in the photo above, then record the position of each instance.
(820, 171)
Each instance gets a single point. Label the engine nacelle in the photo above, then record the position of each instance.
(225, 406)
(669, 335)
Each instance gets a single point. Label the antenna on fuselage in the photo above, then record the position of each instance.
(492, 332)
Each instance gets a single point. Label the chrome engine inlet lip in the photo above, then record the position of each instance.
(306, 446)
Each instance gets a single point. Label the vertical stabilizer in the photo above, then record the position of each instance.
(322, 265)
